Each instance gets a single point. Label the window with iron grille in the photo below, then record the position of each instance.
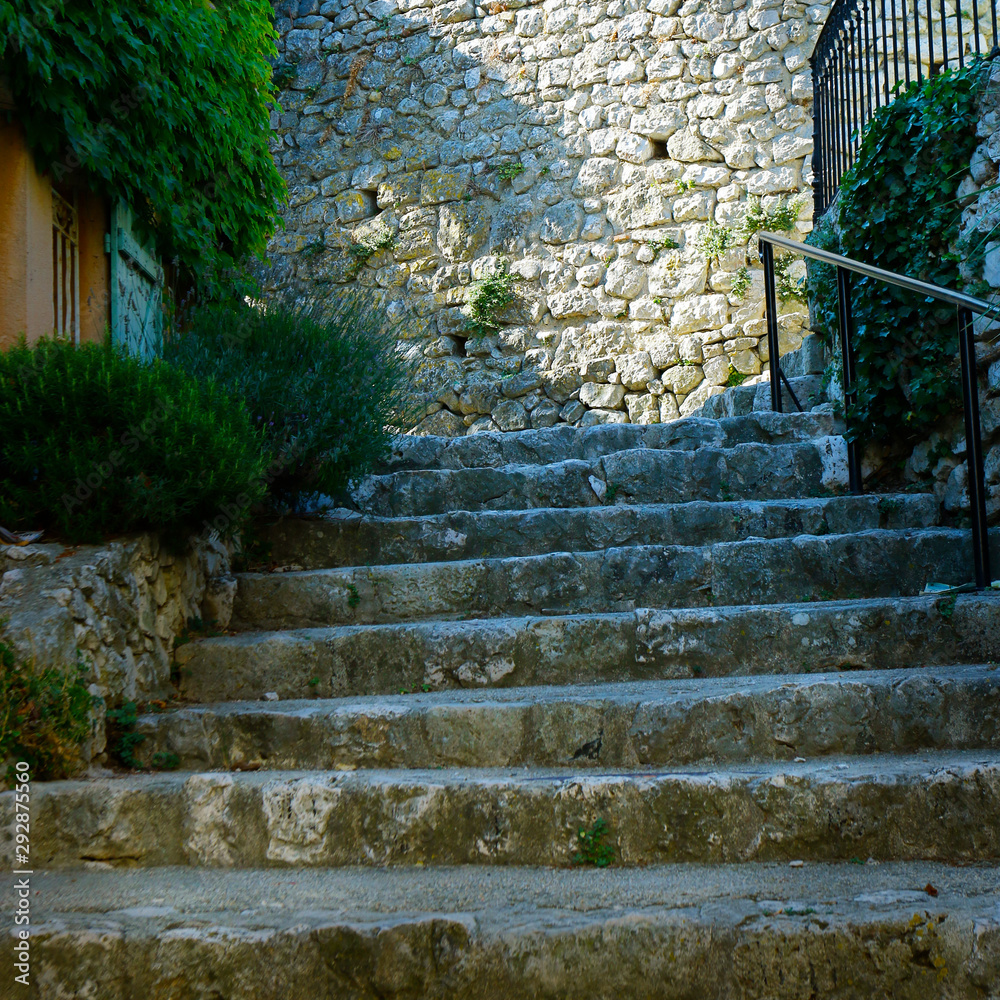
(66, 267)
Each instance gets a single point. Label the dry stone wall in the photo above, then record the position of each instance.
(119, 606)
(603, 155)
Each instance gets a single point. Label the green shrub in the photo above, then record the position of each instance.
(96, 443)
(321, 379)
(897, 209)
(44, 717)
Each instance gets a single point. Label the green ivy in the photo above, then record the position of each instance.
(897, 209)
(163, 104)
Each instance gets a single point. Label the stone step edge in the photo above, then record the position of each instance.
(490, 653)
(716, 932)
(935, 531)
(652, 723)
(690, 432)
(628, 692)
(298, 542)
(932, 806)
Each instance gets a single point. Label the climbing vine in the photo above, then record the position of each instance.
(163, 104)
(897, 208)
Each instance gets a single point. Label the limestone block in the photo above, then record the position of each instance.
(545, 414)
(572, 411)
(607, 397)
(716, 370)
(746, 362)
(668, 408)
(635, 370)
(690, 148)
(659, 122)
(575, 302)
(662, 349)
(627, 71)
(352, 206)
(561, 383)
(594, 417)
(463, 228)
(645, 308)
(681, 379)
(510, 415)
(639, 206)
(454, 11)
(596, 176)
(700, 312)
(694, 207)
(634, 148)
(521, 384)
(624, 279)
(698, 398)
(643, 408)
(561, 223)
(446, 184)
(666, 279)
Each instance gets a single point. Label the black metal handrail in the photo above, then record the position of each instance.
(867, 49)
(967, 306)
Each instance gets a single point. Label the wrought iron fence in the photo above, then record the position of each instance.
(868, 49)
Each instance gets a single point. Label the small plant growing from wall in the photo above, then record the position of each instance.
(312, 248)
(591, 847)
(735, 378)
(510, 169)
(370, 243)
(787, 286)
(781, 219)
(741, 282)
(715, 240)
(44, 716)
(489, 297)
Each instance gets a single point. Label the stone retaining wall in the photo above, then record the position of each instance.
(121, 605)
(604, 155)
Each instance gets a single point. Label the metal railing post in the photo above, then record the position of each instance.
(846, 316)
(771, 315)
(974, 449)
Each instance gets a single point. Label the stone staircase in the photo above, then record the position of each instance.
(683, 634)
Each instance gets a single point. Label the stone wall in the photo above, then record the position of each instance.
(588, 149)
(120, 605)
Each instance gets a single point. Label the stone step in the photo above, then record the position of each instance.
(586, 649)
(558, 444)
(651, 723)
(745, 400)
(352, 539)
(910, 931)
(754, 571)
(931, 806)
(640, 475)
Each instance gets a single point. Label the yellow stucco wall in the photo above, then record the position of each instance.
(25, 242)
(26, 268)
